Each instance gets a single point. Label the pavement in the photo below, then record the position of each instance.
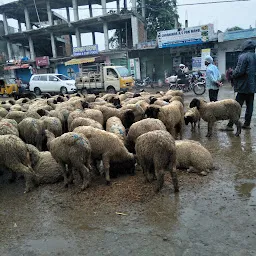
(211, 215)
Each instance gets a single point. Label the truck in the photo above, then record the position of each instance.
(104, 78)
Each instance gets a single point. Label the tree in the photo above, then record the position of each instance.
(234, 28)
(160, 15)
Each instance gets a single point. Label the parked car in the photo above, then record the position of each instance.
(52, 83)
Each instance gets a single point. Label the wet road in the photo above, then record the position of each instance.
(212, 215)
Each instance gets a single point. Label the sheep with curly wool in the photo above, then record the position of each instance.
(32, 132)
(81, 121)
(52, 124)
(18, 116)
(15, 156)
(109, 148)
(114, 125)
(141, 127)
(8, 126)
(193, 156)
(156, 153)
(172, 115)
(46, 169)
(192, 116)
(211, 112)
(72, 149)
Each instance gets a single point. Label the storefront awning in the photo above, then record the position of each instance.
(79, 61)
(16, 67)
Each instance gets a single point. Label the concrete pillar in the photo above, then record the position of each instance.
(27, 19)
(104, 7)
(49, 12)
(75, 8)
(68, 14)
(135, 36)
(93, 38)
(9, 50)
(6, 29)
(125, 4)
(31, 48)
(105, 29)
(91, 15)
(143, 8)
(53, 43)
(134, 7)
(118, 6)
(19, 26)
(22, 51)
(78, 38)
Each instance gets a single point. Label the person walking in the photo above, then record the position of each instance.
(19, 82)
(244, 81)
(212, 78)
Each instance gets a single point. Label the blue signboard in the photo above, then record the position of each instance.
(196, 63)
(86, 50)
(239, 34)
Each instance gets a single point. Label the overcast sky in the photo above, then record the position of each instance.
(222, 15)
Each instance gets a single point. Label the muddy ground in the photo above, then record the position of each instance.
(212, 215)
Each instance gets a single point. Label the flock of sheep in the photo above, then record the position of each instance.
(52, 138)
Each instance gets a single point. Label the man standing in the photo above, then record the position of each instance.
(19, 82)
(212, 78)
(244, 80)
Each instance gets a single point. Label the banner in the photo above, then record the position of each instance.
(204, 53)
(196, 63)
(42, 61)
(185, 36)
(86, 50)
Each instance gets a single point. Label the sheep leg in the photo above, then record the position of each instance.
(160, 179)
(64, 172)
(86, 175)
(13, 177)
(210, 125)
(29, 182)
(20, 168)
(238, 128)
(106, 166)
(199, 122)
(173, 171)
(70, 174)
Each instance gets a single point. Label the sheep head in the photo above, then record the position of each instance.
(152, 112)
(195, 103)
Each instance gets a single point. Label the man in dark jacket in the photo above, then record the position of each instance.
(244, 79)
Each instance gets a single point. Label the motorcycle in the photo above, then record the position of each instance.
(145, 82)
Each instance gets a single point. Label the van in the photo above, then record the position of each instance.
(52, 83)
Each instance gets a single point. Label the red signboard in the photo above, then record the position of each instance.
(42, 61)
(16, 67)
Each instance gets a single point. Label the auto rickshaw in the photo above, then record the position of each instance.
(8, 86)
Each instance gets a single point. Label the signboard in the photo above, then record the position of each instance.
(204, 53)
(185, 36)
(79, 61)
(42, 61)
(16, 67)
(196, 63)
(147, 45)
(85, 50)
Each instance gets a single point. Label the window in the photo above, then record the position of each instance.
(62, 77)
(123, 71)
(111, 72)
(36, 78)
(231, 59)
(53, 78)
(43, 78)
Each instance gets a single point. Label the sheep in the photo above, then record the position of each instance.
(46, 169)
(141, 127)
(80, 121)
(72, 149)
(175, 93)
(155, 153)
(193, 156)
(171, 115)
(32, 132)
(192, 116)
(137, 110)
(107, 147)
(8, 126)
(114, 125)
(211, 112)
(15, 156)
(178, 98)
(159, 102)
(3, 112)
(52, 124)
(18, 116)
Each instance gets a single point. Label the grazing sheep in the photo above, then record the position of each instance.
(137, 110)
(72, 149)
(9, 126)
(52, 124)
(192, 155)
(109, 148)
(80, 121)
(141, 127)
(114, 125)
(155, 153)
(18, 116)
(32, 132)
(47, 170)
(192, 116)
(221, 110)
(171, 115)
(14, 156)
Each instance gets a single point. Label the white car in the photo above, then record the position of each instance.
(52, 83)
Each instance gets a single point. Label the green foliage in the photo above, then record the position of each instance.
(234, 28)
